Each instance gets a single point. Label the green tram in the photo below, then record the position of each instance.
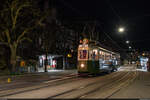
(94, 59)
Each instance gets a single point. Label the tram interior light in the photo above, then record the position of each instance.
(95, 50)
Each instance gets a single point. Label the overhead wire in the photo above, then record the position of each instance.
(110, 37)
(74, 9)
(115, 13)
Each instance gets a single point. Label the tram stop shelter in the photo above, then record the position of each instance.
(55, 62)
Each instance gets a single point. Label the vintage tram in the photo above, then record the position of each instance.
(94, 59)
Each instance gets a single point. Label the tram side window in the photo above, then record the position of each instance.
(93, 54)
(103, 56)
(100, 55)
(107, 56)
(83, 54)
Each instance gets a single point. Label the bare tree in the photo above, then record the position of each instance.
(18, 18)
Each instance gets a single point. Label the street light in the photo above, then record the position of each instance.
(121, 29)
(130, 47)
(127, 42)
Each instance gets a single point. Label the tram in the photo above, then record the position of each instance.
(94, 59)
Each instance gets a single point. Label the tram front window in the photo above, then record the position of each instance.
(83, 54)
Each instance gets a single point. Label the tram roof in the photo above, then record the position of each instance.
(101, 46)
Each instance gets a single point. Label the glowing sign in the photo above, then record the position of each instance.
(22, 63)
(69, 55)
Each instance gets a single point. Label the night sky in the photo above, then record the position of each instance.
(134, 15)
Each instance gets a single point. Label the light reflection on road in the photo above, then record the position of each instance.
(127, 68)
(131, 68)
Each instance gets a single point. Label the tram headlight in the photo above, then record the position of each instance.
(82, 65)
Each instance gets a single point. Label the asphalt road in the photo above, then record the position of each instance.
(23, 81)
(127, 82)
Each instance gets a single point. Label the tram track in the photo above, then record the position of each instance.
(110, 89)
(38, 88)
(123, 85)
(54, 82)
(105, 86)
(69, 92)
(30, 82)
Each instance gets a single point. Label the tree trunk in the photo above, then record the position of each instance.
(13, 57)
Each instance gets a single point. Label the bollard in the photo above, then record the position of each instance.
(9, 80)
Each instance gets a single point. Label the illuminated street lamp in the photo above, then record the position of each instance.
(127, 42)
(121, 29)
(143, 54)
(129, 47)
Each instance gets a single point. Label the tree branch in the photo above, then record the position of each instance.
(14, 18)
(22, 34)
(8, 36)
(1, 39)
(25, 38)
(4, 43)
(27, 30)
